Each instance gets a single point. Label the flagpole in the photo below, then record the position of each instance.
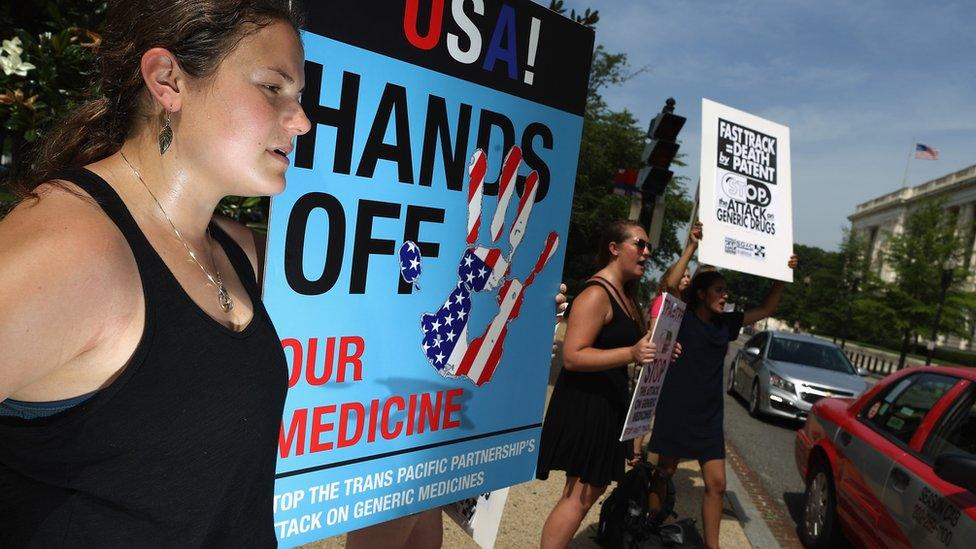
(904, 178)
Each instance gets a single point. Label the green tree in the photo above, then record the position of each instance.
(801, 298)
(919, 255)
(49, 69)
(851, 298)
(48, 66)
(611, 140)
(588, 17)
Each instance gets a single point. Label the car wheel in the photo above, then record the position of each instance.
(730, 389)
(754, 410)
(819, 527)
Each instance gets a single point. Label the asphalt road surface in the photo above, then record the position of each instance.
(767, 447)
(766, 444)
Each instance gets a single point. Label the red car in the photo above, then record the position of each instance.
(895, 467)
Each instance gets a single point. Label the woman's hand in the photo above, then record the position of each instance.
(695, 235)
(643, 351)
(561, 302)
(637, 453)
(794, 260)
(676, 352)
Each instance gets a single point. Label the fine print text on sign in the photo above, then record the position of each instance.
(651, 378)
(414, 255)
(745, 192)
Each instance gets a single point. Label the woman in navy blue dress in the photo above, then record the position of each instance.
(688, 421)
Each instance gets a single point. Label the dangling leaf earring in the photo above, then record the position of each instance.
(165, 135)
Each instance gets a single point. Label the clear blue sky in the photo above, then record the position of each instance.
(854, 80)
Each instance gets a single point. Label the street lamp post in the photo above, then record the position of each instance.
(850, 310)
(805, 304)
(945, 283)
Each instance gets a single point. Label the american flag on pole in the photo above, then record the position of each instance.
(924, 152)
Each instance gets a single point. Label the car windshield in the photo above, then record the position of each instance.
(810, 353)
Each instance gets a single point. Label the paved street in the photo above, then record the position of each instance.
(767, 447)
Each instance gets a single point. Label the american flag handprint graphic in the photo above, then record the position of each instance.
(446, 343)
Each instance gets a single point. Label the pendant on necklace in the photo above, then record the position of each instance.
(223, 297)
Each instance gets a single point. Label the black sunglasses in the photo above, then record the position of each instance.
(642, 244)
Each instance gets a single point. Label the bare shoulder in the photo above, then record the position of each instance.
(592, 299)
(242, 235)
(67, 276)
(66, 226)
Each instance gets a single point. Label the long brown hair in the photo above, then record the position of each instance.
(199, 33)
(617, 232)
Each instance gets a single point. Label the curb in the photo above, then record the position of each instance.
(764, 519)
(757, 532)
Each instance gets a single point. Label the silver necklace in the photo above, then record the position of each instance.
(223, 296)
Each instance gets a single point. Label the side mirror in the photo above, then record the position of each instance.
(752, 351)
(863, 372)
(959, 469)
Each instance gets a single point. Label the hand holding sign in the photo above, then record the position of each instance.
(643, 351)
(676, 352)
(695, 235)
(482, 268)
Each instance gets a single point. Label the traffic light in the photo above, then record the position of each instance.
(655, 174)
(660, 151)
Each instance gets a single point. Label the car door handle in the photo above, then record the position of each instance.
(845, 438)
(899, 479)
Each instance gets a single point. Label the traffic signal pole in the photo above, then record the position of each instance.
(655, 173)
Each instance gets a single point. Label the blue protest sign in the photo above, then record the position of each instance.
(413, 258)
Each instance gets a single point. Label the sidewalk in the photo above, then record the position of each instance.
(528, 505)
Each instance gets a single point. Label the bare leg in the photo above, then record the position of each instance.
(428, 533)
(569, 512)
(666, 466)
(713, 471)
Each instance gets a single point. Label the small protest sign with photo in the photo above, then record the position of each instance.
(648, 390)
(480, 516)
(745, 193)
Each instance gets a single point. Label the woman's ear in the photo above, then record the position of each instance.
(164, 78)
(614, 250)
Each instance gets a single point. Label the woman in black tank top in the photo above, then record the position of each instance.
(141, 379)
(586, 413)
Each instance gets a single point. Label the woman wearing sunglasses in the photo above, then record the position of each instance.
(605, 333)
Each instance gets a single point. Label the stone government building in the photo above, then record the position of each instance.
(877, 219)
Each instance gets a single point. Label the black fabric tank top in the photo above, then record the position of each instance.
(621, 331)
(178, 451)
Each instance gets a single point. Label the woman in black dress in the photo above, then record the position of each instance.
(589, 402)
(141, 388)
(688, 422)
